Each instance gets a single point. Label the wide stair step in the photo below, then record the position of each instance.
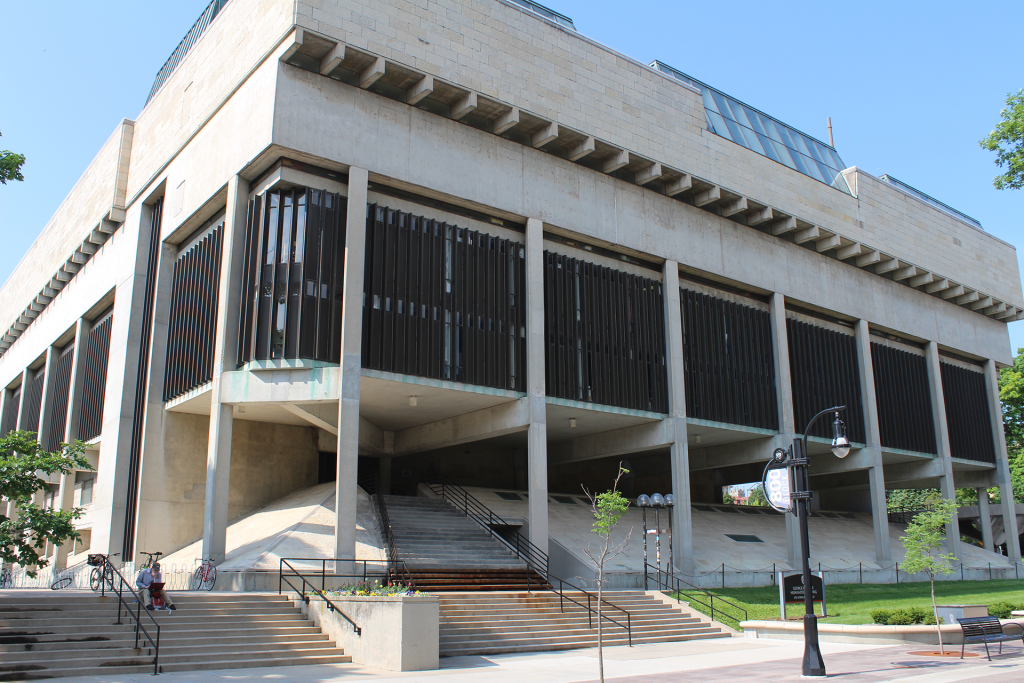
(74, 633)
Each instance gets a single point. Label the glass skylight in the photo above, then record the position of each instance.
(930, 201)
(545, 12)
(758, 132)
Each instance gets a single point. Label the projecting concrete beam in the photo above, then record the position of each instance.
(765, 215)
(858, 459)
(315, 415)
(937, 286)
(683, 183)
(617, 442)
(79, 258)
(995, 309)
(830, 242)
(372, 73)
(954, 291)
(967, 298)
(504, 418)
(464, 106)
(616, 161)
(733, 454)
(545, 135)
(849, 251)
(649, 174)
(807, 234)
(88, 247)
(910, 471)
(423, 88)
(1010, 312)
(708, 196)
(922, 279)
(581, 150)
(887, 265)
(784, 226)
(109, 227)
(982, 302)
(333, 59)
(975, 479)
(869, 258)
(733, 207)
(292, 44)
(904, 273)
(506, 121)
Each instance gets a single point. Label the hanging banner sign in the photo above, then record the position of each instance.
(776, 486)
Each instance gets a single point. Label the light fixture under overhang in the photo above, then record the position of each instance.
(572, 423)
(413, 401)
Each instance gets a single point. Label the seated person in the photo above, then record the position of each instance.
(148, 577)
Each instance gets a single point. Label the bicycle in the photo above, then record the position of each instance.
(152, 558)
(205, 576)
(63, 580)
(102, 573)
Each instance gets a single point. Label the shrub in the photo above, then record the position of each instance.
(901, 617)
(920, 615)
(881, 616)
(1003, 609)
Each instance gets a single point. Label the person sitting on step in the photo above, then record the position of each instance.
(147, 577)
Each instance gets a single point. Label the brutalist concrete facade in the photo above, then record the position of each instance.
(487, 116)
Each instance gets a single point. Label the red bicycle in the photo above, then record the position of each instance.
(205, 576)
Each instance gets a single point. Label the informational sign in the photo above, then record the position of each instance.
(793, 588)
(776, 487)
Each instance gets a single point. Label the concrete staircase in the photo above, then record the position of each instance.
(74, 633)
(497, 623)
(446, 550)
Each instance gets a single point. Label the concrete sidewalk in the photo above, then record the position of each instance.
(730, 660)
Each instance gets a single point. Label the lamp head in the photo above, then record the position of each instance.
(840, 444)
(657, 500)
(643, 501)
(670, 500)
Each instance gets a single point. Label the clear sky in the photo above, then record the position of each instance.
(911, 86)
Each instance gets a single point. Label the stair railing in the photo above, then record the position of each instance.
(285, 578)
(396, 565)
(669, 581)
(535, 558)
(590, 610)
(109, 577)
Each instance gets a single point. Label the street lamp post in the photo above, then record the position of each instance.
(797, 460)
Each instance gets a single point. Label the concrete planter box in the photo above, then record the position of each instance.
(399, 633)
(862, 633)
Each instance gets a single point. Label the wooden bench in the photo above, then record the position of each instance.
(987, 630)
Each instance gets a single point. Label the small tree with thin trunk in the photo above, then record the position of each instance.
(923, 544)
(608, 509)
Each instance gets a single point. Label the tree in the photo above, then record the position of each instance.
(10, 166)
(24, 535)
(1011, 396)
(923, 544)
(757, 497)
(727, 498)
(608, 509)
(1007, 141)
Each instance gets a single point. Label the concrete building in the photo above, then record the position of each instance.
(347, 239)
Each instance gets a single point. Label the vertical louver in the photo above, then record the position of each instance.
(94, 386)
(728, 365)
(194, 297)
(443, 302)
(11, 419)
(605, 335)
(58, 408)
(904, 399)
(33, 402)
(967, 414)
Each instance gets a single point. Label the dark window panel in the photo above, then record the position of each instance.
(824, 370)
(59, 407)
(904, 401)
(967, 414)
(94, 386)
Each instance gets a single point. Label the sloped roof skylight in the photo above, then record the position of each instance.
(930, 201)
(758, 132)
(545, 12)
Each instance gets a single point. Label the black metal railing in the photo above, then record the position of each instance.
(904, 515)
(670, 582)
(284, 577)
(395, 562)
(591, 611)
(183, 48)
(535, 558)
(132, 607)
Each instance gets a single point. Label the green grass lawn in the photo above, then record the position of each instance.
(852, 603)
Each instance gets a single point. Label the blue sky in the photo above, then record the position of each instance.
(911, 87)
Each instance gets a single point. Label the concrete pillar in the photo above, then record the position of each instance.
(218, 450)
(384, 477)
(947, 488)
(873, 447)
(679, 453)
(66, 493)
(985, 520)
(995, 411)
(787, 417)
(537, 436)
(351, 367)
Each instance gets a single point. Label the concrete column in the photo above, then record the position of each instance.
(66, 494)
(346, 490)
(787, 417)
(537, 436)
(985, 520)
(995, 411)
(946, 486)
(679, 453)
(218, 450)
(384, 477)
(873, 447)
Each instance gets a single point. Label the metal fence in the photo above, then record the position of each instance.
(177, 577)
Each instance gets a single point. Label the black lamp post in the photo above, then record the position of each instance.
(797, 460)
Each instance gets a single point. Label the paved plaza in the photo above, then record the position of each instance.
(737, 659)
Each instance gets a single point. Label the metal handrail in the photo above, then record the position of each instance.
(282, 579)
(534, 557)
(140, 608)
(389, 540)
(675, 584)
(590, 610)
